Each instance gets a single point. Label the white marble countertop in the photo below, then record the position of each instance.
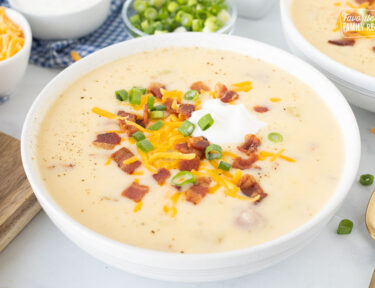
(41, 256)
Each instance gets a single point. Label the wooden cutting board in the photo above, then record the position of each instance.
(18, 204)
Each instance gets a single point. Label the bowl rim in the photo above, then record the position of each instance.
(348, 174)
(13, 4)
(20, 21)
(128, 3)
(345, 73)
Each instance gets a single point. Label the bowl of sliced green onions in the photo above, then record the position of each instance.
(148, 17)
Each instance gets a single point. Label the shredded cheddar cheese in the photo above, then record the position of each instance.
(171, 94)
(171, 155)
(263, 155)
(130, 160)
(138, 206)
(275, 100)
(75, 56)
(11, 36)
(245, 86)
(109, 160)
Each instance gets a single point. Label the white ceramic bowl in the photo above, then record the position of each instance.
(66, 25)
(253, 9)
(192, 267)
(13, 68)
(358, 87)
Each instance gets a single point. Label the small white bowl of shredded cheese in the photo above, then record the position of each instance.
(62, 19)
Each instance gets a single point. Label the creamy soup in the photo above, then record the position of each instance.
(274, 178)
(317, 21)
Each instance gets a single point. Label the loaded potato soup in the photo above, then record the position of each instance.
(319, 21)
(190, 150)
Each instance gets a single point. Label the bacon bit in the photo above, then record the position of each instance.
(373, 48)
(145, 115)
(140, 122)
(187, 148)
(203, 181)
(342, 42)
(245, 163)
(373, 130)
(107, 141)
(199, 143)
(185, 110)
(199, 86)
(127, 128)
(220, 90)
(250, 145)
(188, 165)
(168, 105)
(229, 96)
(260, 109)
(123, 154)
(199, 190)
(161, 176)
(135, 192)
(251, 188)
(154, 89)
(362, 1)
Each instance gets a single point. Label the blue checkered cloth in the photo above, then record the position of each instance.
(56, 53)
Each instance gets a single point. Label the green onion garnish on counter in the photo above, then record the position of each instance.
(366, 179)
(345, 227)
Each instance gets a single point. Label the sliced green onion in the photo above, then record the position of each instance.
(157, 114)
(145, 145)
(135, 95)
(122, 95)
(172, 7)
(366, 179)
(187, 128)
(150, 102)
(135, 19)
(191, 95)
(213, 151)
(138, 136)
(345, 227)
(224, 166)
(159, 108)
(206, 122)
(140, 5)
(151, 13)
(197, 25)
(156, 126)
(182, 178)
(275, 137)
(186, 19)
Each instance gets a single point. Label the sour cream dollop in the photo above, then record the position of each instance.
(232, 122)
